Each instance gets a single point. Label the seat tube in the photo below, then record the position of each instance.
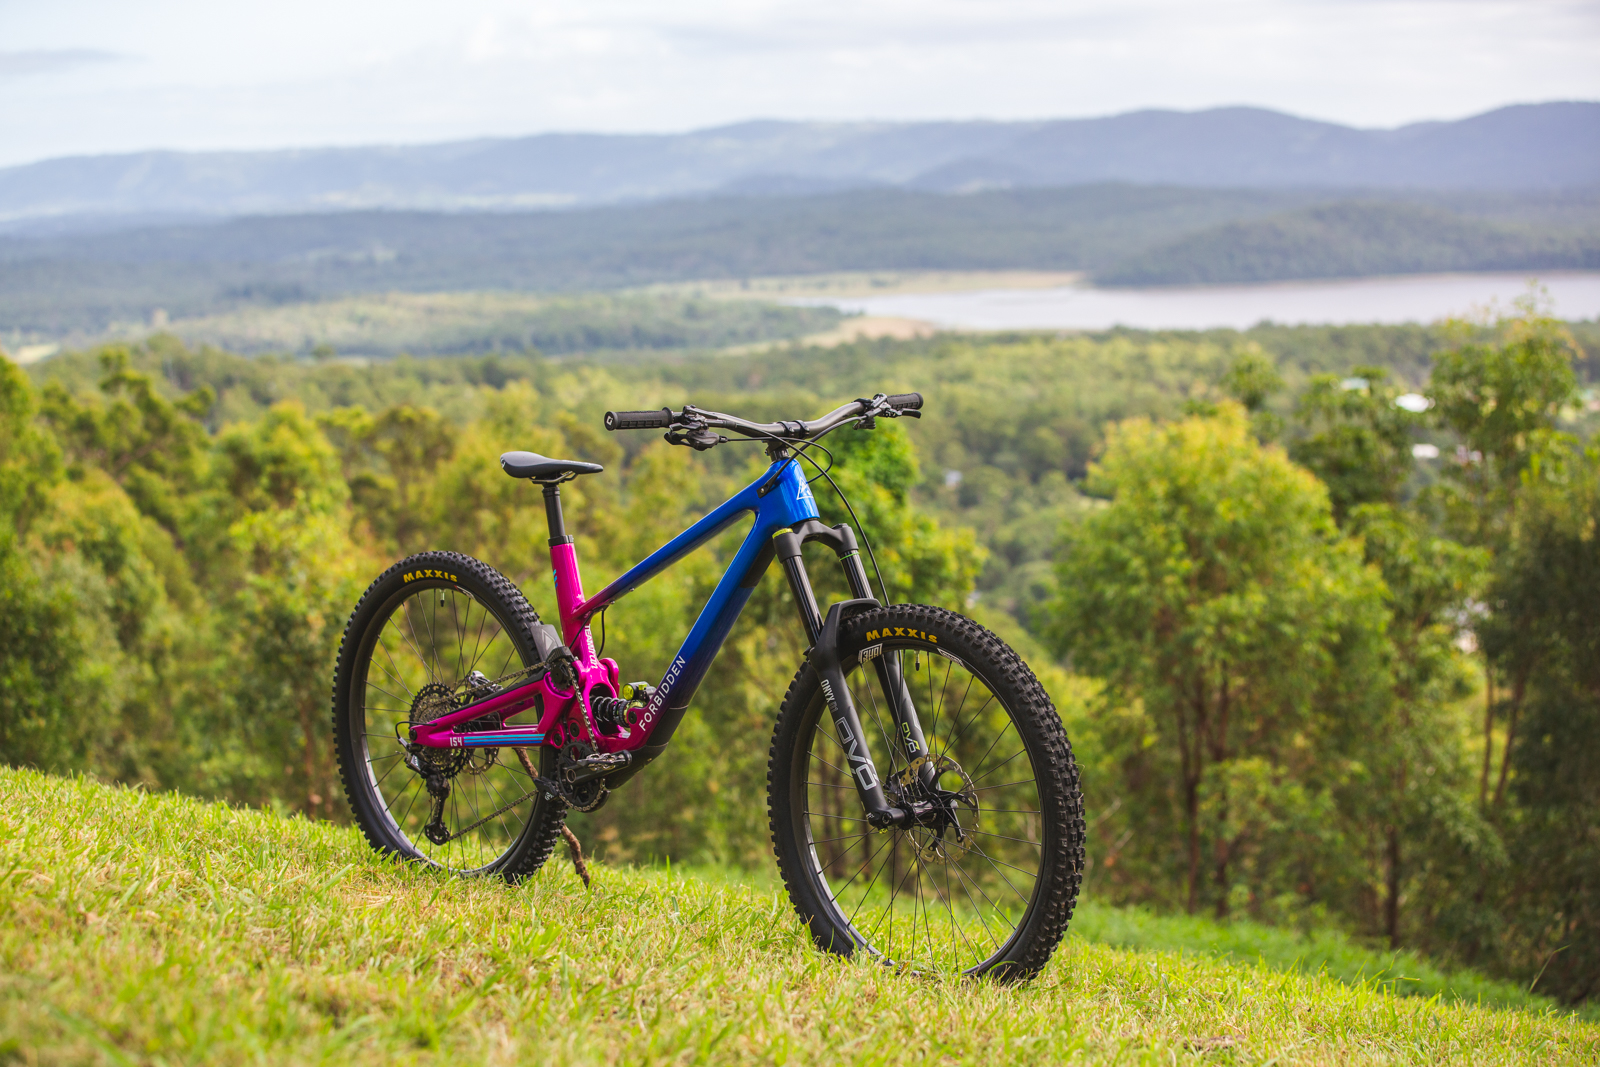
(569, 583)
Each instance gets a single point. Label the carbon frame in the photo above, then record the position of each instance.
(780, 499)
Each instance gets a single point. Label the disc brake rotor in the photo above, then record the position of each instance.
(909, 787)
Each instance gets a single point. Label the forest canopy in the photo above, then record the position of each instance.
(1313, 675)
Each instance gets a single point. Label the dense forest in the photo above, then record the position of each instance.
(1326, 649)
(1352, 240)
(53, 285)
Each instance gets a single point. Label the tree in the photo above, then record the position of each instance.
(1502, 396)
(1544, 632)
(1355, 438)
(1215, 596)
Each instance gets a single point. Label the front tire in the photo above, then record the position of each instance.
(994, 899)
(418, 632)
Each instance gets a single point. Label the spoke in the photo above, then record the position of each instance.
(1003, 837)
(511, 650)
(390, 657)
(927, 924)
(1006, 785)
(982, 760)
(407, 816)
(997, 864)
(967, 880)
(385, 775)
(477, 640)
(956, 927)
(825, 815)
(888, 911)
(398, 680)
(851, 921)
(955, 718)
(878, 719)
(842, 772)
(998, 766)
(405, 609)
(430, 615)
(455, 619)
(957, 733)
(845, 837)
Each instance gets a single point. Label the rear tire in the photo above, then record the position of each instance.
(995, 902)
(414, 637)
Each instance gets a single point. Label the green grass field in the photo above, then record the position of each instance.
(159, 929)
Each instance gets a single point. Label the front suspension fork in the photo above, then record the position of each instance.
(824, 659)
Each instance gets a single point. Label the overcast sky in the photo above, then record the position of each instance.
(93, 76)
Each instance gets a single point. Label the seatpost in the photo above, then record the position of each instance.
(552, 514)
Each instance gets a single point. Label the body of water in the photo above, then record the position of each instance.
(1407, 298)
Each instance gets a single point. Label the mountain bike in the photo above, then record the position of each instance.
(922, 797)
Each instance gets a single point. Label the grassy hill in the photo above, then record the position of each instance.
(1356, 239)
(160, 929)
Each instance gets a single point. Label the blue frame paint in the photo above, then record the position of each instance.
(789, 501)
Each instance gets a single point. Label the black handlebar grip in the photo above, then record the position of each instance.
(639, 420)
(905, 401)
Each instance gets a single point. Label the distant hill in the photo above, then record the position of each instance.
(1356, 239)
(80, 282)
(72, 284)
(1534, 146)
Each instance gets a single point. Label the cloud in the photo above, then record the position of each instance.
(51, 61)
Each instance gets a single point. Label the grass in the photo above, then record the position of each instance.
(159, 929)
(1321, 952)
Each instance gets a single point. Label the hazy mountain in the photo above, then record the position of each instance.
(1536, 146)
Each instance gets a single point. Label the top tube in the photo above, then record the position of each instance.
(790, 501)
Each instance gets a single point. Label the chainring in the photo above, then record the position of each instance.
(583, 796)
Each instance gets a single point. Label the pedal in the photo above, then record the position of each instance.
(596, 766)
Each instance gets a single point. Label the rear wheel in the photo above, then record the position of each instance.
(428, 628)
(986, 888)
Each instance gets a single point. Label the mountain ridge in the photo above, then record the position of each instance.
(1525, 146)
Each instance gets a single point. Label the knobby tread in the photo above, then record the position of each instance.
(518, 616)
(1043, 928)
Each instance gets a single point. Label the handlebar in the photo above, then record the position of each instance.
(904, 401)
(692, 418)
(639, 420)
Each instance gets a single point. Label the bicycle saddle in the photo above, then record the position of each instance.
(543, 468)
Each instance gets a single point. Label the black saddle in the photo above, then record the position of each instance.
(543, 468)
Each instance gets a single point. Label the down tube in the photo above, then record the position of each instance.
(705, 639)
(788, 500)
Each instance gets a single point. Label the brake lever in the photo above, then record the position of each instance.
(878, 405)
(692, 431)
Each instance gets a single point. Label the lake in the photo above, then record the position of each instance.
(1408, 298)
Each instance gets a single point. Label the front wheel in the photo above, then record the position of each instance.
(988, 890)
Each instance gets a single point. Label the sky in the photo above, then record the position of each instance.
(100, 76)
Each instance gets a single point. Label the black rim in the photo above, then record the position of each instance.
(946, 899)
(416, 657)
